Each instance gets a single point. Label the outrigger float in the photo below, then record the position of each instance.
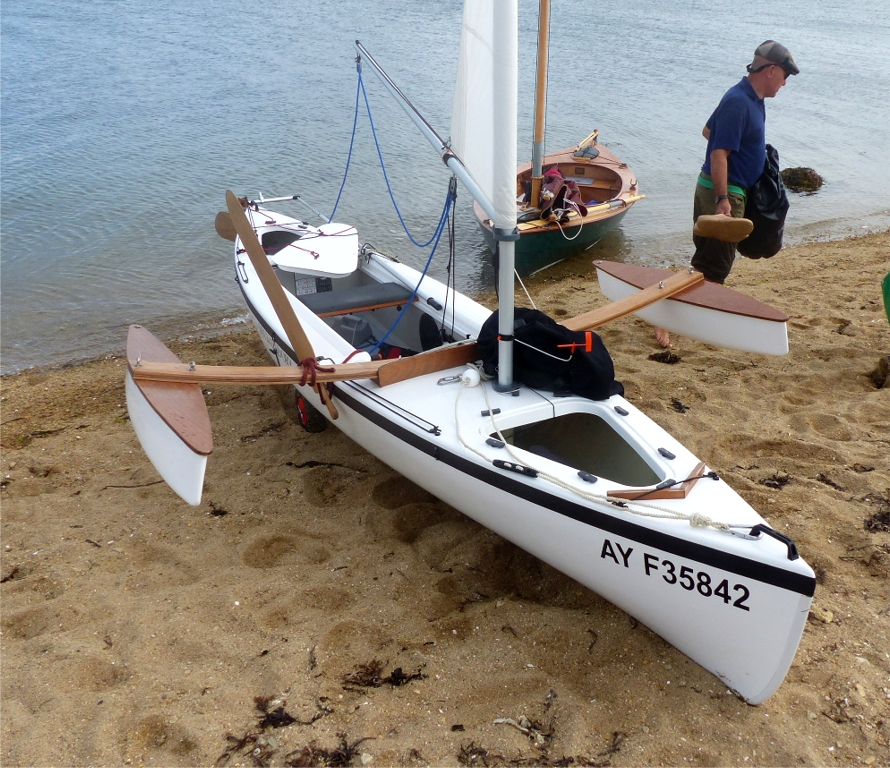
(593, 487)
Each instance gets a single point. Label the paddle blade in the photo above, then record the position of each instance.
(277, 296)
(224, 227)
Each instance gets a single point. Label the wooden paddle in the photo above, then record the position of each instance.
(295, 333)
(224, 227)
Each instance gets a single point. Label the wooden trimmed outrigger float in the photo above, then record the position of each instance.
(593, 487)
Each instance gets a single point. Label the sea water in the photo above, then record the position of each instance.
(124, 121)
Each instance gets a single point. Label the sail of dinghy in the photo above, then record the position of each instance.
(483, 133)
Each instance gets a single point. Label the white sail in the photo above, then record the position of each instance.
(483, 120)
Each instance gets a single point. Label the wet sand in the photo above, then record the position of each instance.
(319, 609)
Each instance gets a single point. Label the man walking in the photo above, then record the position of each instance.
(734, 161)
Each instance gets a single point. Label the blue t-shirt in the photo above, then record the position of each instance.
(739, 125)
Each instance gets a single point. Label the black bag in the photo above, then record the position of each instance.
(540, 363)
(766, 206)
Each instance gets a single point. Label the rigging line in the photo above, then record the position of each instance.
(451, 266)
(437, 236)
(580, 224)
(527, 294)
(396, 409)
(386, 177)
(351, 140)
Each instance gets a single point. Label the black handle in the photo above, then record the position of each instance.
(792, 547)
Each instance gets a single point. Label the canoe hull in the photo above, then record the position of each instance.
(181, 467)
(735, 605)
(749, 646)
(170, 419)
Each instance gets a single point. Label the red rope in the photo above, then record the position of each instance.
(310, 371)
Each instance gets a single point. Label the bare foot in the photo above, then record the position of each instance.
(663, 337)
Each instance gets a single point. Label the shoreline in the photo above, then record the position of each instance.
(670, 251)
(136, 629)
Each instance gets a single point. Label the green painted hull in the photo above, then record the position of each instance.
(538, 250)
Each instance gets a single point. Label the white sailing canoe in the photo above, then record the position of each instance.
(734, 600)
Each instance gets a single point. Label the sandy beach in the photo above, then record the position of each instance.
(318, 609)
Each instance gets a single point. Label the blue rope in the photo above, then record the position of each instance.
(351, 143)
(383, 168)
(440, 228)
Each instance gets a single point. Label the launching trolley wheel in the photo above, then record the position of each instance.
(310, 417)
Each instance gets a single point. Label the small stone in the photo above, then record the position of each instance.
(824, 615)
(881, 375)
(812, 715)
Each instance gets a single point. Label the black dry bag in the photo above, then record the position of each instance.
(766, 206)
(540, 362)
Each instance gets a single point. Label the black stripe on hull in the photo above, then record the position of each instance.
(767, 574)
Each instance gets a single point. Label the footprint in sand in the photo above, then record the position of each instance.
(397, 491)
(272, 551)
(825, 424)
(153, 734)
(92, 674)
(32, 622)
(331, 485)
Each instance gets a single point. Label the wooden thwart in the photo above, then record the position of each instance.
(249, 374)
(384, 371)
(387, 372)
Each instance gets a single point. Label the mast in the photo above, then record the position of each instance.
(505, 56)
(540, 102)
(483, 132)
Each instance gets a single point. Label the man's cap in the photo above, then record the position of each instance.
(771, 52)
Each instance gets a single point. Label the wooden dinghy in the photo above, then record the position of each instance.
(590, 192)
(608, 189)
(707, 312)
